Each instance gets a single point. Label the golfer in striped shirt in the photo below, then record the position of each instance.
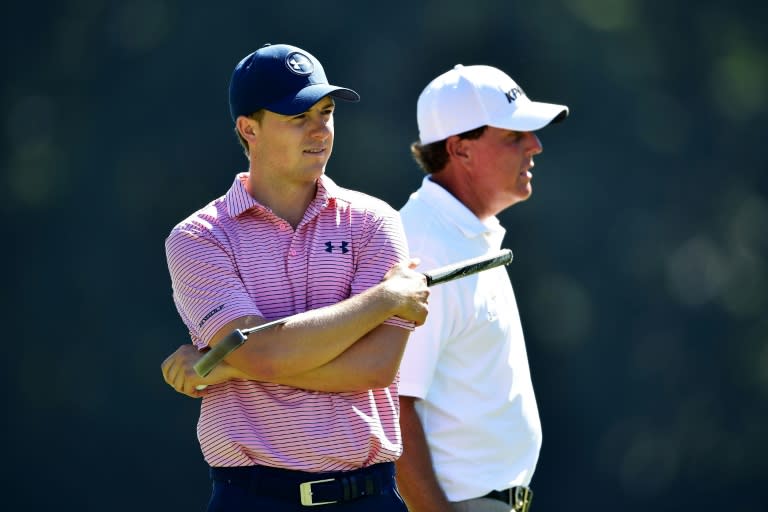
(305, 414)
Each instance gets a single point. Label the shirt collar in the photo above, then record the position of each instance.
(239, 200)
(454, 211)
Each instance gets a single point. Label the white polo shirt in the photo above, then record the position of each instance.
(468, 362)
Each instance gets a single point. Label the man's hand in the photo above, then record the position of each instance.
(179, 373)
(408, 289)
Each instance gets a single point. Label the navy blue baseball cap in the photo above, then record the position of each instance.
(280, 78)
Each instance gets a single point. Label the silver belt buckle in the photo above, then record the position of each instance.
(305, 491)
(521, 498)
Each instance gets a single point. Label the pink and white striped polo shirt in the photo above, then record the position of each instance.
(235, 258)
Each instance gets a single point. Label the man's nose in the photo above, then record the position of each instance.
(536, 146)
(320, 128)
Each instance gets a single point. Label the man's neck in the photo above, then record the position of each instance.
(459, 187)
(287, 200)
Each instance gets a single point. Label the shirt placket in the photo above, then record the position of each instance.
(296, 267)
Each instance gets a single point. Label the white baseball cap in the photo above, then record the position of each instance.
(468, 97)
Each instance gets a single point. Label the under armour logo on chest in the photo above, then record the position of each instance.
(329, 247)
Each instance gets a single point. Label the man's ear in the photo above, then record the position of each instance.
(457, 147)
(246, 127)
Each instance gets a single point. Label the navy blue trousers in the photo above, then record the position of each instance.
(255, 489)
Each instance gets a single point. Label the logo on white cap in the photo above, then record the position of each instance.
(299, 63)
(513, 94)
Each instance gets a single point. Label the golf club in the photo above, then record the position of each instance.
(434, 277)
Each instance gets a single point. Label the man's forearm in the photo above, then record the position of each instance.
(416, 477)
(312, 339)
(372, 362)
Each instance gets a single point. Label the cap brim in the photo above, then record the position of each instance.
(530, 116)
(308, 96)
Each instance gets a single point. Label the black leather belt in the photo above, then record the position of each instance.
(310, 489)
(519, 497)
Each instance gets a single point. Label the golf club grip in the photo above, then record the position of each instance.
(213, 357)
(468, 267)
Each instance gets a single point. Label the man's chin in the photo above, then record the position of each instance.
(524, 192)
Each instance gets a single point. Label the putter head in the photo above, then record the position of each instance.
(211, 358)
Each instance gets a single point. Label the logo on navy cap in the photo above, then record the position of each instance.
(299, 64)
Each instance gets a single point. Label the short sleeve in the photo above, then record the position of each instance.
(207, 290)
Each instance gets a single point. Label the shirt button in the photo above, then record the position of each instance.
(292, 252)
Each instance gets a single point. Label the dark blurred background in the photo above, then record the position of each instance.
(640, 261)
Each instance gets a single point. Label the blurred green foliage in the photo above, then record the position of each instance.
(640, 262)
